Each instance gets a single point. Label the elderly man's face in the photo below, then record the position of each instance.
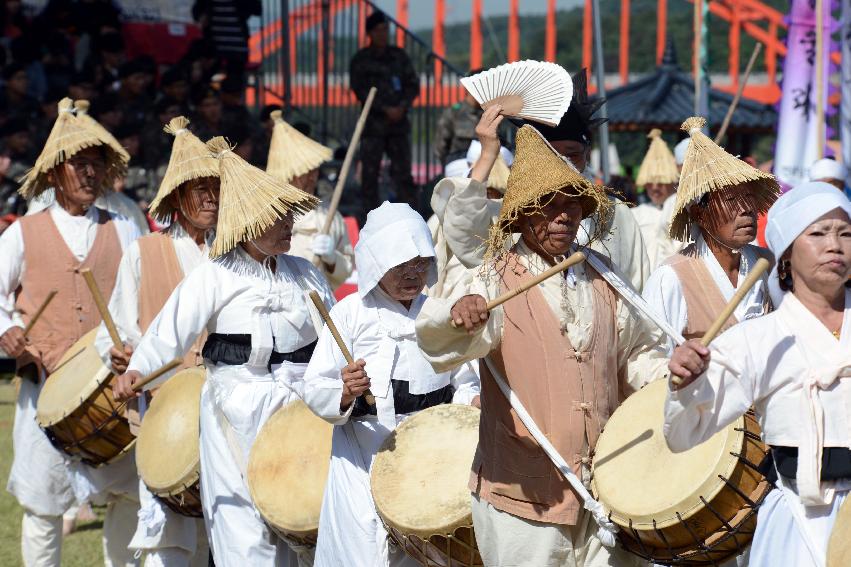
(659, 192)
(729, 216)
(80, 179)
(552, 229)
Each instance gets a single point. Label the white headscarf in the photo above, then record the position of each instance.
(827, 168)
(791, 214)
(680, 151)
(393, 234)
(475, 151)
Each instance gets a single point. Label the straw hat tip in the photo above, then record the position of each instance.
(695, 123)
(176, 125)
(655, 133)
(218, 145)
(82, 105)
(66, 104)
(275, 115)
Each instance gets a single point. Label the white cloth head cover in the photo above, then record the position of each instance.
(680, 151)
(456, 168)
(393, 234)
(791, 214)
(475, 150)
(827, 169)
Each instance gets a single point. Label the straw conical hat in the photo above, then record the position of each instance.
(251, 200)
(539, 170)
(498, 178)
(659, 165)
(291, 153)
(190, 159)
(67, 137)
(707, 168)
(81, 108)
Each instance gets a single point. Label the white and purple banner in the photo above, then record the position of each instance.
(798, 133)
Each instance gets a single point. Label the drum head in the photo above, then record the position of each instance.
(288, 467)
(167, 449)
(638, 478)
(839, 546)
(79, 373)
(419, 476)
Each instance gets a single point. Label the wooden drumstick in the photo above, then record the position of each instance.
(571, 260)
(167, 367)
(102, 309)
(39, 311)
(755, 274)
(320, 306)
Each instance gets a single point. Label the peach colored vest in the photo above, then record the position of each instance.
(570, 394)
(51, 265)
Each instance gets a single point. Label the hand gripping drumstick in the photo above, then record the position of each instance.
(167, 367)
(317, 301)
(756, 273)
(39, 311)
(102, 309)
(571, 260)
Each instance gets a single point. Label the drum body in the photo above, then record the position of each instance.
(419, 484)
(839, 545)
(167, 450)
(77, 411)
(697, 507)
(287, 470)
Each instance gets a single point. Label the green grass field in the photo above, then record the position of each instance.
(80, 549)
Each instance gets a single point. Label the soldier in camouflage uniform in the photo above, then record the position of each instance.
(456, 128)
(387, 130)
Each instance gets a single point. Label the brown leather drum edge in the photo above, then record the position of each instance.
(839, 545)
(697, 507)
(287, 471)
(419, 485)
(77, 411)
(168, 447)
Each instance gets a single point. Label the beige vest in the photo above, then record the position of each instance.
(570, 394)
(51, 265)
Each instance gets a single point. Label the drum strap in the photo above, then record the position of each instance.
(607, 530)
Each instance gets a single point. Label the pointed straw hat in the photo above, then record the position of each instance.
(538, 171)
(67, 137)
(190, 159)
(498, 178)
(708, 168)
(81, 109)
(291, 153)
(251, 200)
(659, 165)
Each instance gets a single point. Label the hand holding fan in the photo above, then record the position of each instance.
(534, 90)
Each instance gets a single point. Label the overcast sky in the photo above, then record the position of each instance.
(422, 11)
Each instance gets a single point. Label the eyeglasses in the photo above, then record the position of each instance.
(417, 265)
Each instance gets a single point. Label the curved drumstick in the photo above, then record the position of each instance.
(317, 301)
(39, 311)
(102, 309)
(167, 367)
(756, 273)
(572, 260)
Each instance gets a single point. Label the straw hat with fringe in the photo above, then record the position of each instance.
(659, 165)
(708, 168)
(68, 136)
(538, 171)
(81, 109)
(190, 159)
(291, 153)
(251, 200)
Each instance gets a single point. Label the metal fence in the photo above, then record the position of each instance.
(304, 66)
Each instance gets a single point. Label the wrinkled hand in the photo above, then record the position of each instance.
(688, 362)
(470, 312)
(487, 130)
(122, 386)
(355, 382)
(120, 359)
(13, 342)
(394, 113)
(323, 246)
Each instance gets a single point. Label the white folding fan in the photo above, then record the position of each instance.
(535, 90)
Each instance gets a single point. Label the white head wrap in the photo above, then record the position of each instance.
(680, 151)
(393, 234)
(456, 168)
(827, 169)
(791, 214)
(475, 150)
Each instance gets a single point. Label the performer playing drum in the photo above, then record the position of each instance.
(569, 348)
(188, 199)
(787, 365)
(250, 299)
(40, 253)
(395, 260)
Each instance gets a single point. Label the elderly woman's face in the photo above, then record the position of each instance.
(552, 229)
(730, 216)
(276, 238)
(407, 280)
(821, 256)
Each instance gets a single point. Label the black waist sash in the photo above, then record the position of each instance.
(835, 462)
(235, 350)
(406, 402)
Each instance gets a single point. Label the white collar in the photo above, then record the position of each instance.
(746, 261)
